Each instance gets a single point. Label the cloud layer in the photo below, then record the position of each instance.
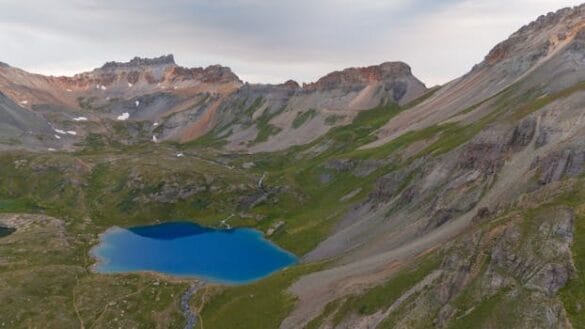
(263, 40)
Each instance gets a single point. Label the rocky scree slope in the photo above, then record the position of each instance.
(486, 144)
(19, 126)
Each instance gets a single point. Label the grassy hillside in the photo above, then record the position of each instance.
(308, 188)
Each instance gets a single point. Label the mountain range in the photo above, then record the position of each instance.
(456, 206)
(182, 104)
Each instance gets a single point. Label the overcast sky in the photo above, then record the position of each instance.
(263, 40)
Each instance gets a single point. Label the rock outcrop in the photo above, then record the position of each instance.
(394, 79)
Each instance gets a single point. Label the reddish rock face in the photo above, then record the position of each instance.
(219, 74)
(361, 76)
(497, 54)
(211, 74)
(133, 77)
(291, 84)
(151, 71)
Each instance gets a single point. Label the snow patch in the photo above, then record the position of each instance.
(78, 119)
(69, 90)
(154, 139)
(124, 116)
(24, 102)
(180, 155)
(137, 103)
(59, 131)
(130, 85)
(155, 124)
(71, 132)
(57, 136)
(102, 87)
(51, 149)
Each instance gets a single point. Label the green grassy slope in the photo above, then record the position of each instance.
(108, 184)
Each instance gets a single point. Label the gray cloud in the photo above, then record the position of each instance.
(263, 41)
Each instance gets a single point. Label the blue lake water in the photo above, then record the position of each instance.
(185, 249)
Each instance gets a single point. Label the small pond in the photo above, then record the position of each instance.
(6, 231)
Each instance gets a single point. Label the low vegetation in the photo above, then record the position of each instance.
(303, 117)
(108, 184)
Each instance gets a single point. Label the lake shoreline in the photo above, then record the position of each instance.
(112, 250)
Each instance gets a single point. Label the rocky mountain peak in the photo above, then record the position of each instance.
(137, 62)
(540, 36)
(291, 84)
(362, 75)
(159, 73)
(219, 73)
(210, 74)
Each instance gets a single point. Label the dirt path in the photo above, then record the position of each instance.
(75, 308)
(224, 222)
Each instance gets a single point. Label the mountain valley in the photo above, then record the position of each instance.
(454, 206)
